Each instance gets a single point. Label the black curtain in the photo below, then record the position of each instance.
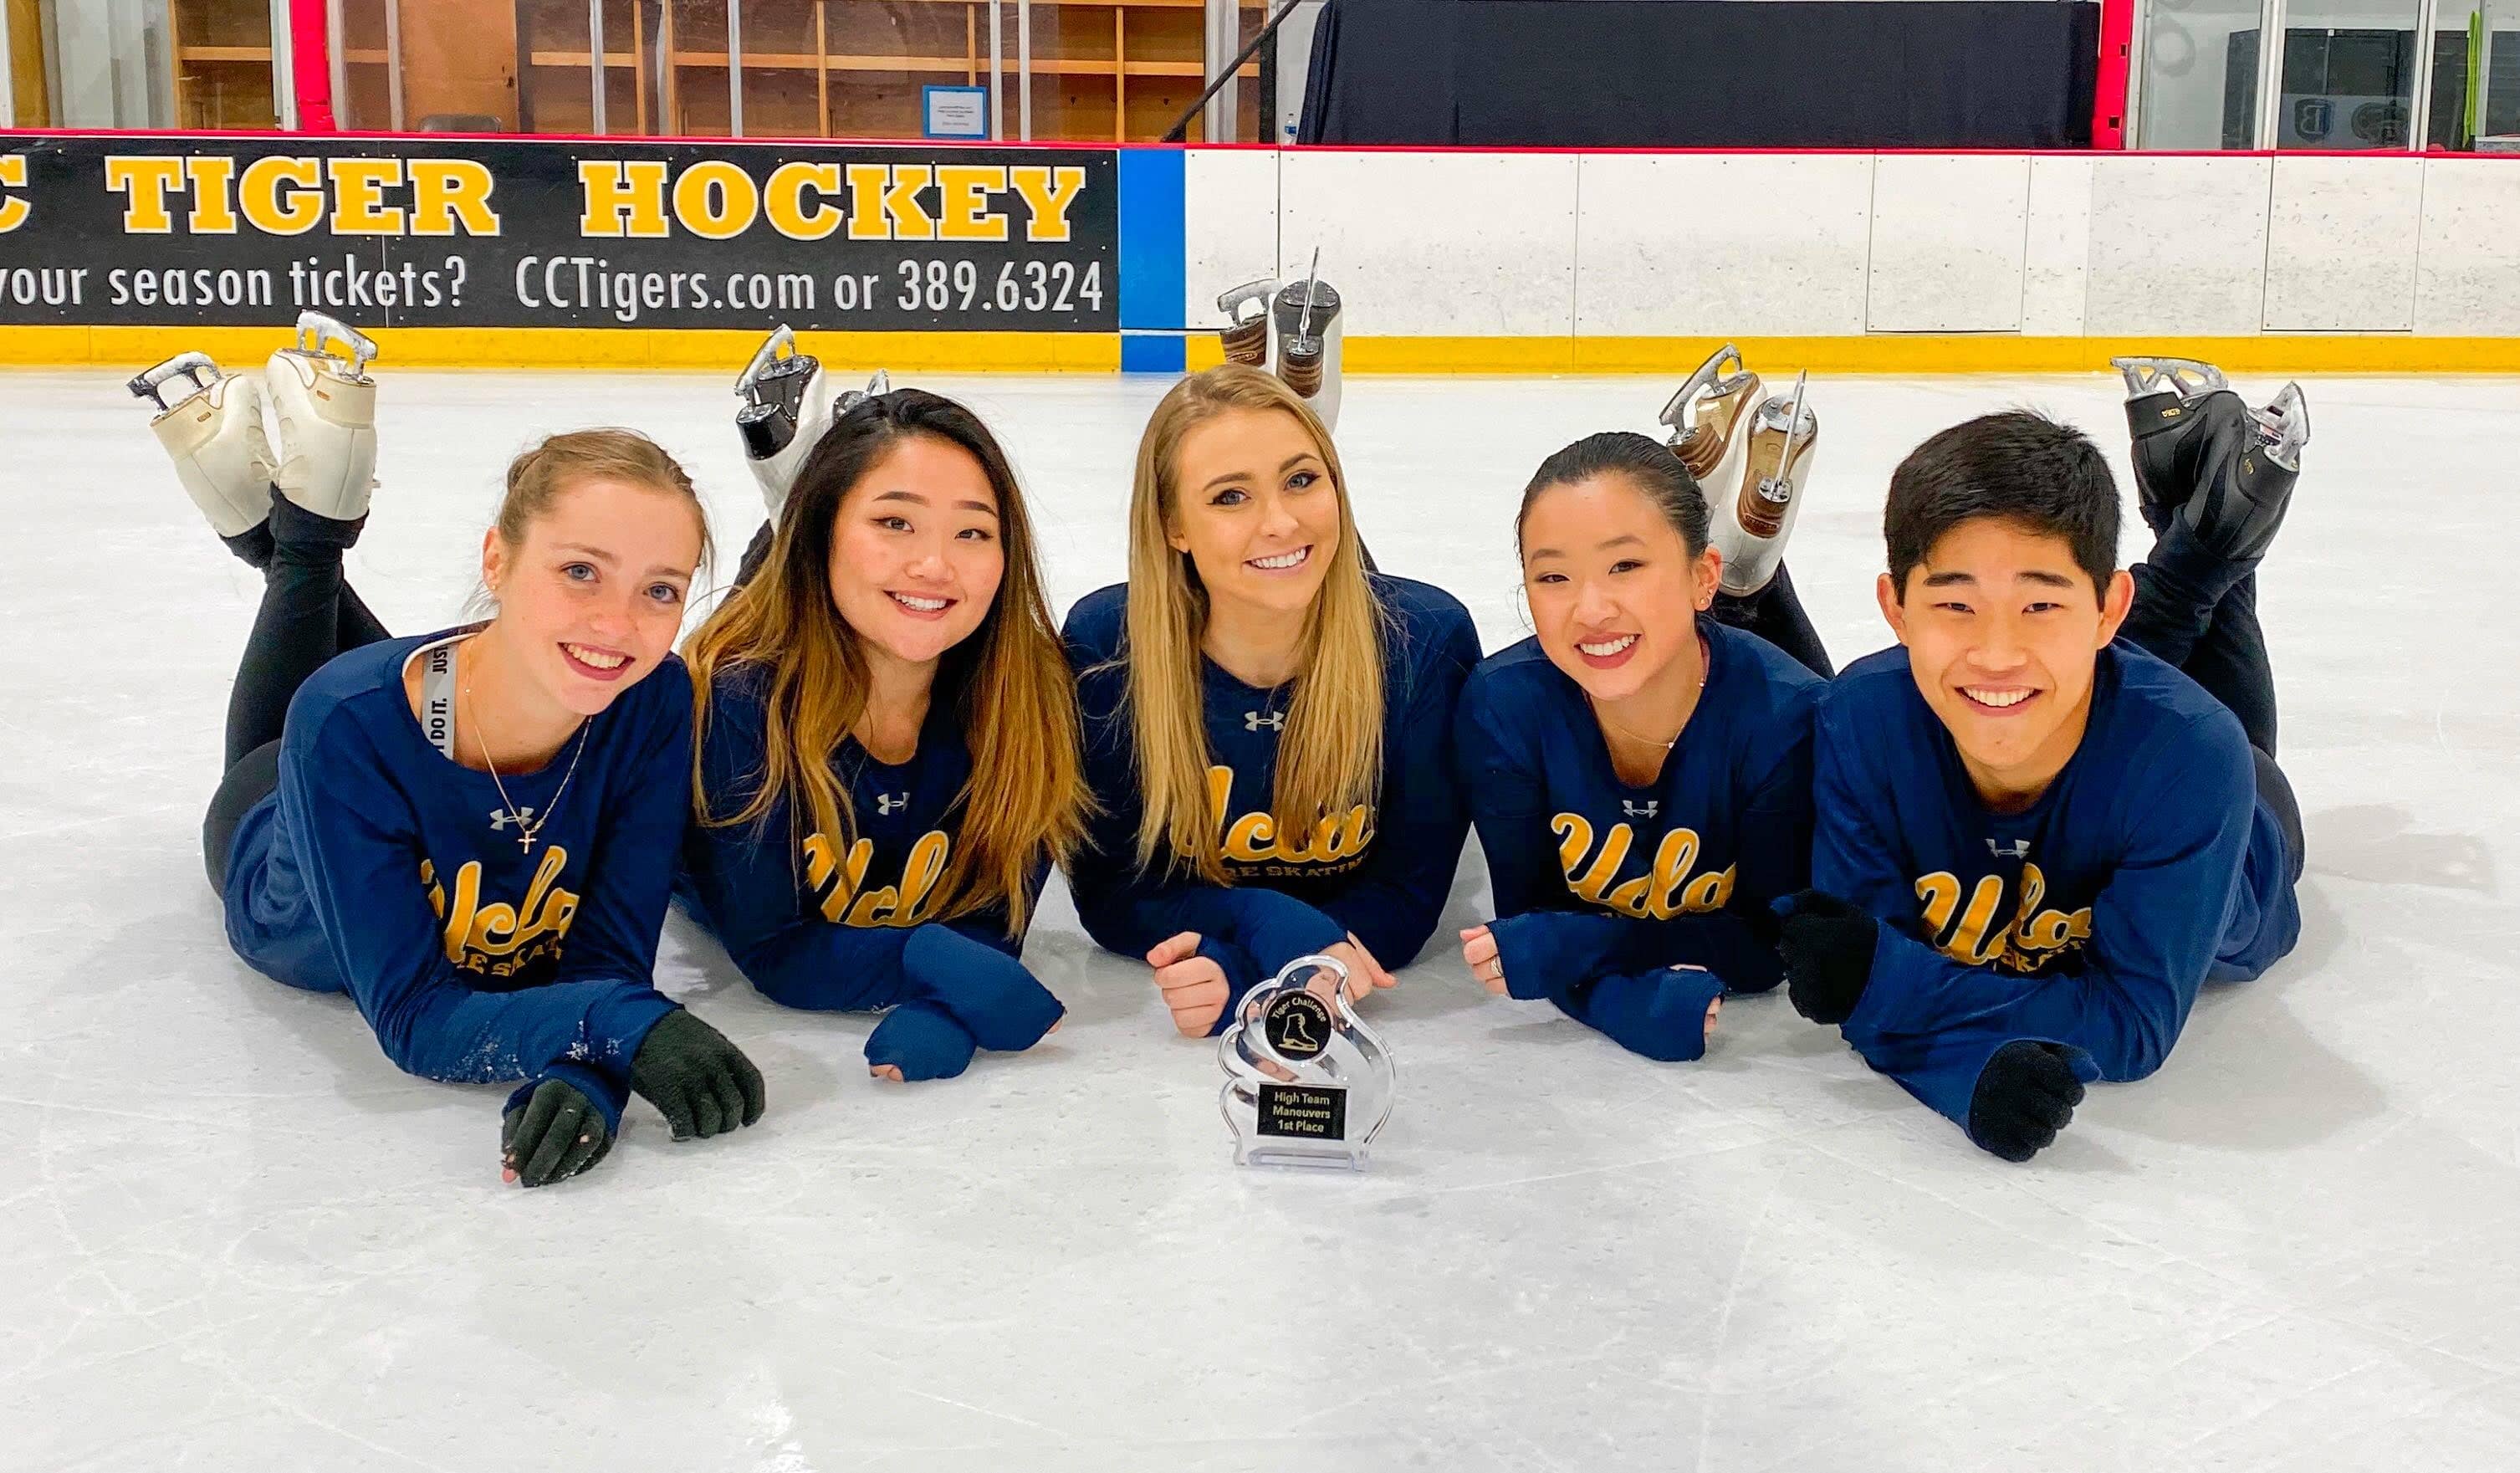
(1704, 73)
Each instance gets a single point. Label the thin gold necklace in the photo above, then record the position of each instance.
(528, 826)
(1603, 717)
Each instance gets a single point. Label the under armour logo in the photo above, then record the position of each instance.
(501, 818)
(886, 803)
(2018, 849)
(1636, 809)
(1275, 721)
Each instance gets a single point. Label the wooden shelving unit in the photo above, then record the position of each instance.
(1103, 70)
(222, 63)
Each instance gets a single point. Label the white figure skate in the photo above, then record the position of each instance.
(786, 407)
(213, 433)
(1309, 335)
(1708, 419)
(1245, 335)
(325, 405)
(1750, 454)
(1750, 526)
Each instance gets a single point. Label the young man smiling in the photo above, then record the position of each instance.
(2042, 822)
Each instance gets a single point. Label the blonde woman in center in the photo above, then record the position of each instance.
(1268, 724)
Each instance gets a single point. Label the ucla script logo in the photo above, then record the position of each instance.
(840, 886)
(1338, 842)
(1669, 889)
(2034, 939)
(500, 940)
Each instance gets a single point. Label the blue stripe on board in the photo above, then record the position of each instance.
(1152, 274)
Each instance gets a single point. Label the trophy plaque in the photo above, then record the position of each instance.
(1307, 1083)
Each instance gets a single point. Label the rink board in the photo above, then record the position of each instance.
(538, 252)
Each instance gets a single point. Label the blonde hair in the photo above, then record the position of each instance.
(1330, 757)
(1026, 799)
(538, 477)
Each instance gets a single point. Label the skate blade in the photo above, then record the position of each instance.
(2284, 426)
(150, 382)
(1707, 379)
(2187, 378)
(1232, 301)
(776, 348)
(877, 387)
(315, 330)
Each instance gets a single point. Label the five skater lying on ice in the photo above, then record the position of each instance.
(2001, 856)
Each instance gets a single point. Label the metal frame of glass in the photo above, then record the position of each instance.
(8, 75)
(2272, 19)
(283, 67)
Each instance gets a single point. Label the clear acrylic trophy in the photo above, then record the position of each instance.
(1308, 1084)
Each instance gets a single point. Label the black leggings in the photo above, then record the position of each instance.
(2198, 611)
(309, 614)
(1774, 614)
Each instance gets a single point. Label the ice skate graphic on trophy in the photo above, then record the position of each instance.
(1308, 1084)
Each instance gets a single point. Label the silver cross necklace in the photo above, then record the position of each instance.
(528, 824)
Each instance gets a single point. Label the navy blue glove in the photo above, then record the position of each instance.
(1659, 1014)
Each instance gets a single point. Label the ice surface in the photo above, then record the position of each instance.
(235, 1238)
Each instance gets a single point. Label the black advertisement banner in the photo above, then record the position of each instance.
(511, 233)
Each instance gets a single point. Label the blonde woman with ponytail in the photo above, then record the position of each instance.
(887, 742)
(470, 833)
(1268, 723)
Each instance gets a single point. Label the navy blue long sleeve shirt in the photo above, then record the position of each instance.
(2090, 919)
(812, 923)
(381, 869)
(1595, 875)
(1383, 871)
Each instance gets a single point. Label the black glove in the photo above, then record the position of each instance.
(701, 1083)
(2025, 1095)
(1828, 948)
(555, 1134)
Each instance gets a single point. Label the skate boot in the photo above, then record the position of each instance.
(786, 407)
(1707, 418)
(327, 408)
(2202, 456)
(1246, 337)
(1309, 334)
(2249, 461)
(1749, 526)
(2162, 394)
(213, 433)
